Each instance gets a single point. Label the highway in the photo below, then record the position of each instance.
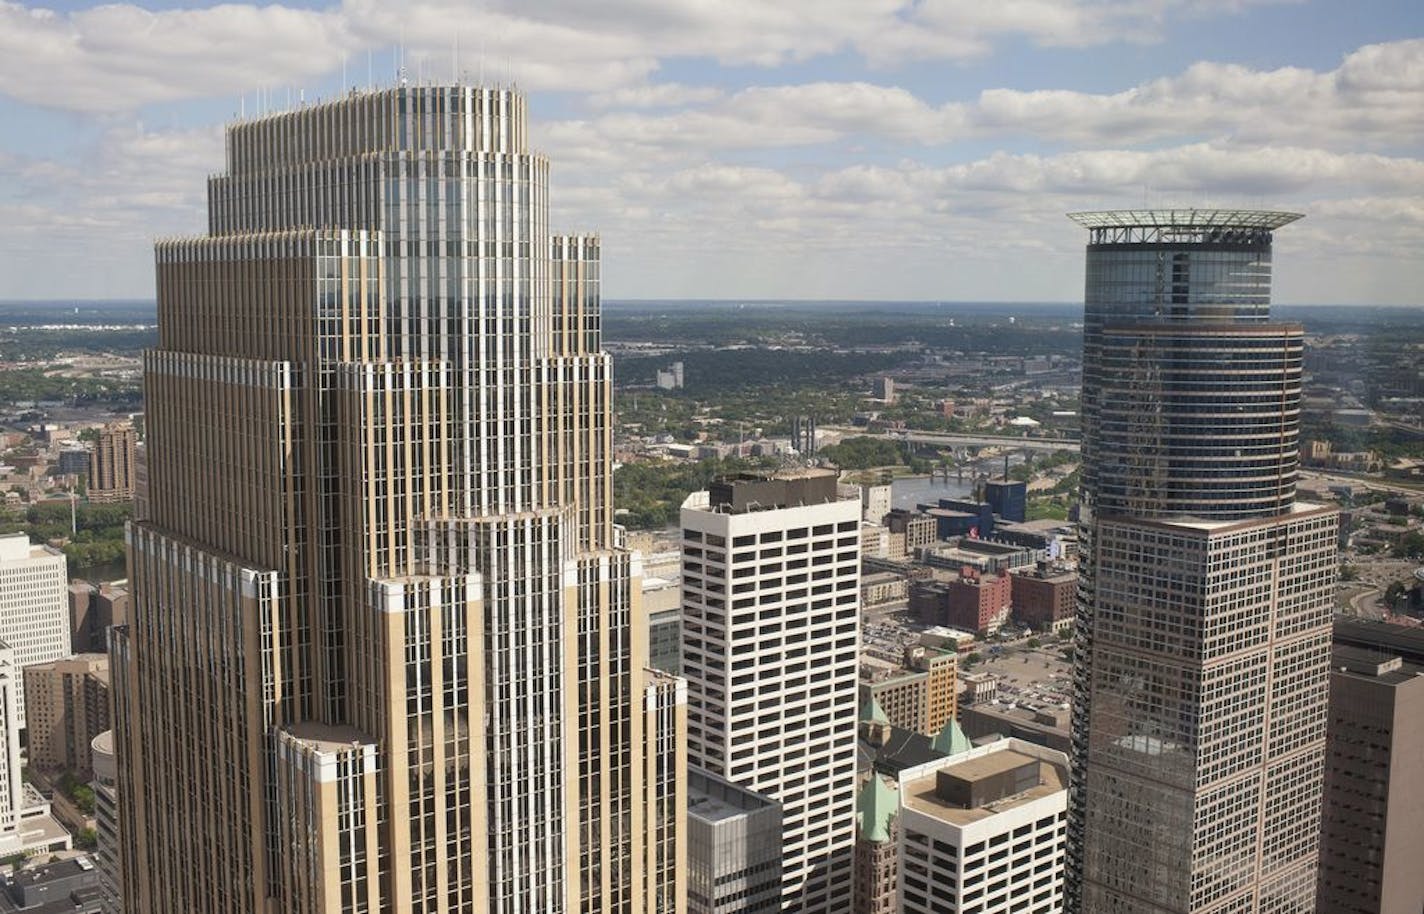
(917, 437)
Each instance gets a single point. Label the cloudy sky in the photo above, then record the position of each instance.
(851, 149)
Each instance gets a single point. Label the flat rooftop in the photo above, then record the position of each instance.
(328, 738)
(921, 796)
(1207, 525)
(712, 799)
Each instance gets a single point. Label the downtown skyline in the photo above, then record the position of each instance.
(813, 147)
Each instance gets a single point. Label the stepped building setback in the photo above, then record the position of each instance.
(1205, 589)
(385, 651)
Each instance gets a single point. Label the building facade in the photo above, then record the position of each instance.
(34, 606)
(385, 649)
(984, 830)
(93, 609)
(919, 695)
(771, 639)
(1205, 588)
(1373, 831)
(106, 822)
(67, 705)
(1045, 598)
(733, 848)
(111, 464)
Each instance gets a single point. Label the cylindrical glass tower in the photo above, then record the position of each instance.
(1205, 590)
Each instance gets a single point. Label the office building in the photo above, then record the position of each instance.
(12, 783)
(771, 639)
(910, 531)
(385, 649)
(984, 831)
(26, 826)
(733, 848)
(73, 461)
(93, 609)
(918, 694)
(875, 503)
(1205, 589)
(884, 389)
(34, 606)
(111, 464)
(1372, 838)
(106, 822)
(67, 705)
(1007, 498)
(1045, 597)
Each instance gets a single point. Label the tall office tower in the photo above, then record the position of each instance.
(34, 606)
(1373, 834)
(771, 637)
(1205, 591)
(384, 651)
(111, 464)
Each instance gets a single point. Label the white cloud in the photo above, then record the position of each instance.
(1373, 100)
(121, 56)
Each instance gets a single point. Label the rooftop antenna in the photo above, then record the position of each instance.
(370, 71)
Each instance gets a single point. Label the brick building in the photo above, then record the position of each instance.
(972, 601)
(1044, 598)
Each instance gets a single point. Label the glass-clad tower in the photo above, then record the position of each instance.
(384, 652)
(1206, 589)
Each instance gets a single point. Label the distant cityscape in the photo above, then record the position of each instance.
(385, 567)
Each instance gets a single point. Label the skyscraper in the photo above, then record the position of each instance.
(771, 640)
(384, 651)
(111, 464)
(1372, 837)
(1206, 589)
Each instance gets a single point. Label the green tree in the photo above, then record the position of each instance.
(1410, 546)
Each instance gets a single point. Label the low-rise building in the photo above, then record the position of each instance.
(882, 587)
(1042, 726)
(67, 886)
(973, 601)
(979, 688)
(1045, 597)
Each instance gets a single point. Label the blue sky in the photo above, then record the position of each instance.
(884, 149)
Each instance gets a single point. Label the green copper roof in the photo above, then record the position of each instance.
(874, 808)
(871, 712)
(951, 739)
